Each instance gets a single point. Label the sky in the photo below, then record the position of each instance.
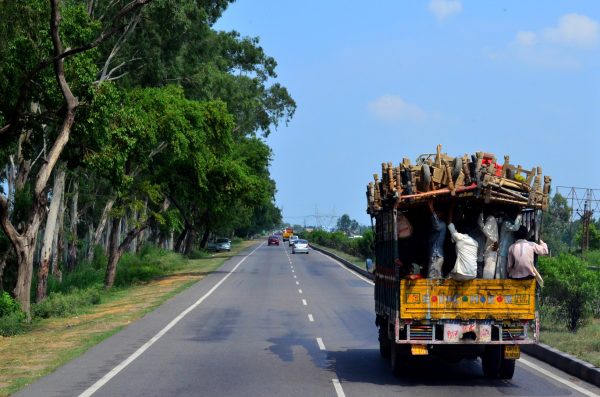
(379, 81)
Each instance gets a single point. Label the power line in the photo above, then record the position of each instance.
(584, 202)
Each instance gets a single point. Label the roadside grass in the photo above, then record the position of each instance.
(48, 343)
(358, 262)
(584, 344)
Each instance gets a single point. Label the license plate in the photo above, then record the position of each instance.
(419, 350)
(512, 352)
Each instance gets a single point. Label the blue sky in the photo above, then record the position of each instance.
(392, 79)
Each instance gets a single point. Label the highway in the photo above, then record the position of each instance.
(270, 323)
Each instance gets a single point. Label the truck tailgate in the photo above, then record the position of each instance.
(478, 299)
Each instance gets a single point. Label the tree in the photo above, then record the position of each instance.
(347, 225)
(556, 232)
(29, 83)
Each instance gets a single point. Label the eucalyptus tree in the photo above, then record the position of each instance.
(46, 70)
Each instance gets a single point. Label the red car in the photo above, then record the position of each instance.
(273, 240)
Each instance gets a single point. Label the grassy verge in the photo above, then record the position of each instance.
(50, 343)
(352, 259)
(584, 344)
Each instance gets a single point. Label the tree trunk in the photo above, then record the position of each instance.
(181, 239)
(113, 256)
(189, 241)
(100, 229)
(72, 257)
(58, 240)
(205, 237)
(57, 191)
(3, 257)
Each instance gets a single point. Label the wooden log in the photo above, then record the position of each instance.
(439, 192)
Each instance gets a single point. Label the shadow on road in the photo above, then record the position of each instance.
(367, 366)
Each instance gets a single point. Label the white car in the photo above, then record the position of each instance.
(293, 240)
(223, 244)
(301, 246)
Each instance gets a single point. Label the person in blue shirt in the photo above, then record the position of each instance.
(436, 242)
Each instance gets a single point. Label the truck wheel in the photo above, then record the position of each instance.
(507, 368)
(398, 359)
(384, 343)
(491, 361)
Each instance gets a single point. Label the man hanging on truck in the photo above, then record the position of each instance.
(466, 252)
(436, 242)
(521, 256)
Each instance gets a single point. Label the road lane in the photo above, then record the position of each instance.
(253, 336)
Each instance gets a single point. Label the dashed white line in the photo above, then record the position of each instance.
(304, 302)
(295, 276)
(292, 271)
(557, 378)
(297, 282)
(113, 372)
(338, 388)
(320, 343)
(311, 318)
(299, 291)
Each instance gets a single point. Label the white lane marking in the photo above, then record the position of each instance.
(338, 388)
(320, 343)
(557, 378)
(304, 302)
(311, 318)
(291, 267)
(293, 271)
(299, 291)
(345, 268)
(113, 372)
(295, 276)
(297, 282)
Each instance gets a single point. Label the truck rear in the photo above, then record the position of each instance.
(488, 318)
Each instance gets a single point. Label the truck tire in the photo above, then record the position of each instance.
(399, 359)
(384, 343)
(507, 368)
(491, 361)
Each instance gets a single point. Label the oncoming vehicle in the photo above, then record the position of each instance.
(273, 240)
(223, 244)
(300, 246)
(293, 240)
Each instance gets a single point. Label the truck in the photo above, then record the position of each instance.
(287, 233)
(455, 319)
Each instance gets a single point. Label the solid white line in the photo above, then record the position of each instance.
(345, 268)
(299, 291)
(311, 318)
(338, 388)
(304, 302)
(113, 372)
(555, 377)
(320, 343)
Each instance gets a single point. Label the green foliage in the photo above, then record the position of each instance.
(8, 305)
(63, 305)
(151, 263)
(594, 234)
(556, 231)
(570, 287)
(359, 247)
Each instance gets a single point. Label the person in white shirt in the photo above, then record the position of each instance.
(465, 267)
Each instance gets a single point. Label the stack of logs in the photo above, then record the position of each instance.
(438, 174)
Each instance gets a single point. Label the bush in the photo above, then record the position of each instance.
(11, 315)
(63, 305)
(571, 287)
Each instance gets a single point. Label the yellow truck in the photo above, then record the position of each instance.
(456, 319)
(287, 233)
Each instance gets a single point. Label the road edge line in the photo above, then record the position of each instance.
(123, 364)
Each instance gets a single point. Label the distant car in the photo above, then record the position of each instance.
(301, 246)
(273, 240)
(293, 239)
(223, 244)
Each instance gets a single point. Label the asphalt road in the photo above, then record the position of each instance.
(270, 323)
